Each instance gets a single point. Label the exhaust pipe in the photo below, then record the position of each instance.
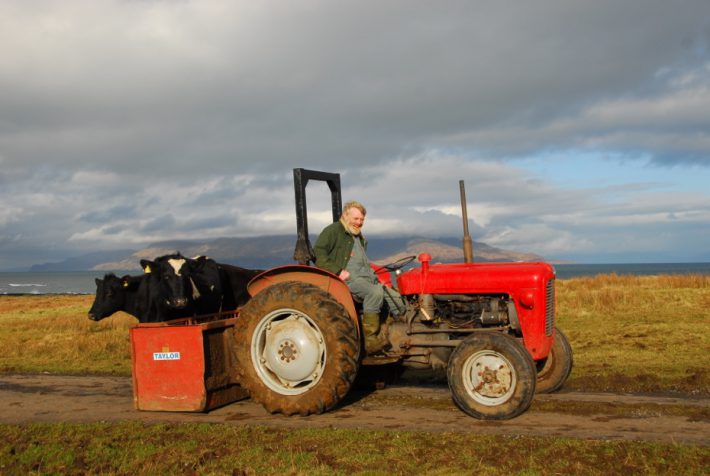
(467, 242)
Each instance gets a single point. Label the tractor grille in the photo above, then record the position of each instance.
(550, 307)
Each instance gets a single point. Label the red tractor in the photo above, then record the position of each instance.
(490, 325)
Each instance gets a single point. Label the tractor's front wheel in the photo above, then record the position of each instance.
(491, 377)
(553, 370)
(297, 349)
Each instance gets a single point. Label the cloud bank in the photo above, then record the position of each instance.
(127, 122)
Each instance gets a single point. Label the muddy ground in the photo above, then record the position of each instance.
(51, 398)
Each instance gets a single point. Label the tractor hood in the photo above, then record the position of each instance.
(474, 278)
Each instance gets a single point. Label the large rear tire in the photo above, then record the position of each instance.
(297, 349)
(491, 377)
(553, 370)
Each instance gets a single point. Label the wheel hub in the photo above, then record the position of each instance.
(493, 382)
(491, 378)
(289, 352)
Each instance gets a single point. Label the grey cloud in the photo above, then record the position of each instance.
(187, 117)
(113, 229)
(161, 223)
(209, 223)
(221, 192)
(193, 92)
(105, 215)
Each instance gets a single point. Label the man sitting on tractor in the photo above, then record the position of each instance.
(341, 249)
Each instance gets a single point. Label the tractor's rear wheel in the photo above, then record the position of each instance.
(553, 370)
(491, 377)
(297, 349)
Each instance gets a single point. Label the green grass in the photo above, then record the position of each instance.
(135, 448)
(629, 334)
(53, 334)
(637, 333)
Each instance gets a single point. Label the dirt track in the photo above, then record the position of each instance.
(50, 398)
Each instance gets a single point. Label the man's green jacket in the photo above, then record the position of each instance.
(334, 247)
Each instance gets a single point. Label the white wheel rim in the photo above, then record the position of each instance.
(489, 377)
(288, 351)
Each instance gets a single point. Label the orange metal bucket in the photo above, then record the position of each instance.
(185, 365)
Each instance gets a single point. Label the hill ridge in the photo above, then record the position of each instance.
(274, 250)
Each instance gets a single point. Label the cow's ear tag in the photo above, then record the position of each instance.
(147, 269)
(125, 284)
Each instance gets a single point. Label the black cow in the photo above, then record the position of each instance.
(201, 284)
(234, 284)
(135, 295)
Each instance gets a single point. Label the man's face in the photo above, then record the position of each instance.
(355, 219)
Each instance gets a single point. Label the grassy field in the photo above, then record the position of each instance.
(628, 333)
(53, 334)
(135, 449)
(638, 333)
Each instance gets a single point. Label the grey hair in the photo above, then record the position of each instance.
(354, 204)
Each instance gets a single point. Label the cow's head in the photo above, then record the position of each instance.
(205, 276)
(170, 272)
(110, 296)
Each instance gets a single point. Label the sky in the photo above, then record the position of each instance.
(580, 128)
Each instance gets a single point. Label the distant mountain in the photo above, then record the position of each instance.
(264, 252)
(257, 252)
(81, 263)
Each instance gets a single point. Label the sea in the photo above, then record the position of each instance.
(82, 282)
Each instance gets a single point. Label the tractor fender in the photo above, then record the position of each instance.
(325, 280)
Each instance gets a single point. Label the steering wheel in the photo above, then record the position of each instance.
(395, 265)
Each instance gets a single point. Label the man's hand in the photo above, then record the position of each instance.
(344, 274)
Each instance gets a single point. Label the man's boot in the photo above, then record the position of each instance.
(375, 341)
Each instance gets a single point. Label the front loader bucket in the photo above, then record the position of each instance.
(185, 365)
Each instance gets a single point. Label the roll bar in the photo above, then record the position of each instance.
(303, 254)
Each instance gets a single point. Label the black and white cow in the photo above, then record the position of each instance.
(173, 284)
(184, 284)
(200, 284)
(173, 287)
(135, 295)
